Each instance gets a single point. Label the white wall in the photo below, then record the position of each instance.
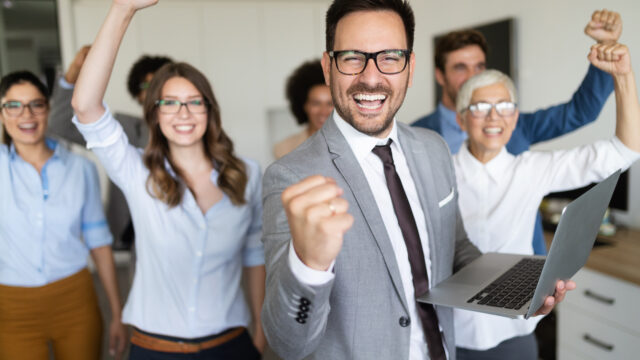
(247, 49)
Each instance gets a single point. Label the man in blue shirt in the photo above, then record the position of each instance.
(462, 54)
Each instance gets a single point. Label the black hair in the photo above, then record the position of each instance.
(299, 84)
(145, 65)
(20, 77)
(342, 8)
(456, 40)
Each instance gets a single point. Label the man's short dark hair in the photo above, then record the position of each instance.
(456, 40)
(299, 84)
(145, 65)
(342, 8)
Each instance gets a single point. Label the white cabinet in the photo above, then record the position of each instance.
(600, 319)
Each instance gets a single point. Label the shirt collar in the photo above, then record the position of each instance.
(59, 152)
(361, 144)
(448, 117)
(495, 168)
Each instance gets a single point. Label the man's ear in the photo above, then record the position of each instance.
(412, 65)
(439, 77)
(326, 68)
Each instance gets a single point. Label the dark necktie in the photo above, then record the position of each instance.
(414, 248)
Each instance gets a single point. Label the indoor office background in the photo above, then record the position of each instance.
(247, 48)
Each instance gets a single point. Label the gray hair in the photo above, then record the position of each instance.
(485, 78)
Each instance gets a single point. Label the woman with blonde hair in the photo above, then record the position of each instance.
(196, 209)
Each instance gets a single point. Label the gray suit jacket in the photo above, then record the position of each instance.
(60, 126)
(357, 315)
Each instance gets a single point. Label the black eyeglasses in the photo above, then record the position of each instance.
(197, 106)
(353, 62)
(16, 108)
(482, 109)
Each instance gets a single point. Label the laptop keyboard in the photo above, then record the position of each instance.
(514, 288)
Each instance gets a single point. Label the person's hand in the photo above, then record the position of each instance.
(259, 340)
(117, 338)
(561, 290)
(604, 27)
(74, 69)
(317, 218)
(611, 58)
(135, 4)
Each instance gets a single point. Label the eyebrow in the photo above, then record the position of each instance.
(177, 97)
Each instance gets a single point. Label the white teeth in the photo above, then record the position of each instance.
(184, 127)
(370, 107)
(28, 126)
(369, 97)
(493, 130)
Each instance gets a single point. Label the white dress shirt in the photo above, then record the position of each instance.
(499, 201)
(189, 264)
(362, 146)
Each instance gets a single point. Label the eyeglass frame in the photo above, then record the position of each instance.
(24, 106)
(493, 106)
(158, 104)
(368, 55)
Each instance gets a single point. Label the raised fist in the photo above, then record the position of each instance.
(611, 58)
(604, 27)
(318, 219)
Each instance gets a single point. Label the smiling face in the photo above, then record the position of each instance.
(318, 106)
(459, 66)
(184, 128)
(27, 128)
(369, 101)
(489, 134)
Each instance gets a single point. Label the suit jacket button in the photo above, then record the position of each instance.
(404, 321)
(302, 315)
(301, 321)
(303, 308)
(305, 301)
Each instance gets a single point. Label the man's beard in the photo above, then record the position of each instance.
(344, 111)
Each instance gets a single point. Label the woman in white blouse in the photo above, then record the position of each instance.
(196, 209)
(500, 193)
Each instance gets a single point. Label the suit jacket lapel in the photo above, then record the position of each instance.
(349, 168)
(423, 177)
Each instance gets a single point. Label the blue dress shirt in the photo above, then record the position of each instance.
(48, 221)
(189, 264)
(584, 107)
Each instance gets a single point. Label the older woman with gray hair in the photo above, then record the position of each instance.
(500, 193)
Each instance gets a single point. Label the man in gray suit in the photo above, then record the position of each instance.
(348, 251)
(60, 126)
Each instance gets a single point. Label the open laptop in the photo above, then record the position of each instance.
(516, 285)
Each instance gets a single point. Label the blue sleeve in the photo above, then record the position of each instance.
(584, 107)
(95, 230)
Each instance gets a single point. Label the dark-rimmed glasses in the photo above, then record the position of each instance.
(482, 109)
(16, 108)
(197, 106)
(353, 62)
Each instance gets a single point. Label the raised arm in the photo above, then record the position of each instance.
(615, 59)
(61, 112)
(586, 103)
(94, 76)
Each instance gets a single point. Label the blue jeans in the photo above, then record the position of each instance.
(240, 348)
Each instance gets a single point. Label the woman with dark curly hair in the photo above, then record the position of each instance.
(196, 209)
(310, 102)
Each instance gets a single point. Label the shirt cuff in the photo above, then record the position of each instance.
(306, 274)
(102, 133)
(64, 84)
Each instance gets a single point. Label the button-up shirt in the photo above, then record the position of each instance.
(189, 264)
(48, 220)
(498, 202)
(362, 146)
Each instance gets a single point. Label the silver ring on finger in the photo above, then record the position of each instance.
(331, 208)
